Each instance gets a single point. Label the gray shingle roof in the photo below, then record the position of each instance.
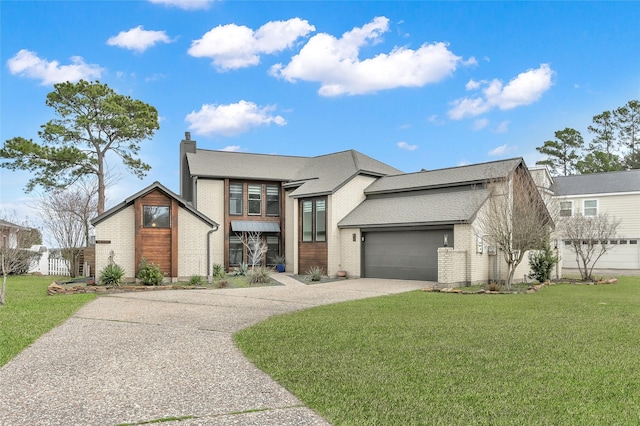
(427, 209)
(310, 175)
(444, 177)
(597, 183)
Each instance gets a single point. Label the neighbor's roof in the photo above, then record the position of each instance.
(597, 183)
(7, 224)
(309, 175)
(156, 185)
(425, 209)
(449, 177)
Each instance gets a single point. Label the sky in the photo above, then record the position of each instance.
(417, 85)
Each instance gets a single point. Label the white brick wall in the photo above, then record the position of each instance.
(192, 245)
(120, 230)
(351, 252)
(210, 199)
(451, 266)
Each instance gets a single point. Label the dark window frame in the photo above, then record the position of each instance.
(317, 213)
(241, 198)
(252, 202)
(155, 220)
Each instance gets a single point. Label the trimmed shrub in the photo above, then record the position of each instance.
(542, 263)
(258, 275)
(149, 273)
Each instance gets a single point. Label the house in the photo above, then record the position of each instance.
(10, 233)
(616, 194)
(340, 211)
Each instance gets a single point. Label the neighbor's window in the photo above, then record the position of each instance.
(235, 250)
(156, 216)
(590, 207)
(255, 199)
(566, 208)
(314, 220)
(235, 199)
(273, 200)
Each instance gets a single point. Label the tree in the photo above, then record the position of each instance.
(255, 245)
(14, 259)
(627, 122)
(602, 155)
(92, 121)
(65, 214)
(562, 153)
(516, 218)
(598, 162)
(588, 237)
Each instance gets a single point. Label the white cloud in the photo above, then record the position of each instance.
(138, 39)
(231, 148)
(232, 119)
(435, 120)
(336, 65)
(480, 124)
(525, 89)
(406, 146)
(185, 4)
(501, 150)
(503, 127)
(235, 46)
(27, 64)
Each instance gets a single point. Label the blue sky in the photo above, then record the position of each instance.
(414, 84)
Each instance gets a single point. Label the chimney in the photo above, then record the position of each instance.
(187, 136)
(186, 146)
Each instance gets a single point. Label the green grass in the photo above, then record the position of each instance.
(29, 312)
(569, 354)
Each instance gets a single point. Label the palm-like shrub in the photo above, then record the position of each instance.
(112, 275)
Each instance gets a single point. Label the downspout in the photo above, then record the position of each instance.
(209, 276)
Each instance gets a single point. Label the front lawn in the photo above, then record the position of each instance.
(29, 312)
(569, 354)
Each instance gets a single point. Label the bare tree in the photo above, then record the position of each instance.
(588, 237)
(516, 218)
(65, 215)
(256, 247)
(14, 259)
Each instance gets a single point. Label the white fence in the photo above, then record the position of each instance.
(58, 267)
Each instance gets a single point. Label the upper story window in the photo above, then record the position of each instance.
(156, 216)
(566, 208)
(590, 207)
(314, 220)
(255, 199)
(236, 196)
(273, 200)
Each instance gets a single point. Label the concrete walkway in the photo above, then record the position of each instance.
(137, 357)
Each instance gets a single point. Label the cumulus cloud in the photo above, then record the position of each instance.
(406, 146)
(185, 4)
(480, 124)
(232, 119)
(138, 39)
(336, 65)
(231, 148)
(501, 150)
(27, 64)
(524, 89)
(236, 46)
(503, 127)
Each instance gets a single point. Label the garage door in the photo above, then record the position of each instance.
(408, 255)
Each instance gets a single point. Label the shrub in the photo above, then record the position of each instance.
(315, 273)
(258, 275)
(243, 268)
(196, 280)
(541, 263)
(218, 271)
(149, 273)
(112, 275)
(222, 283)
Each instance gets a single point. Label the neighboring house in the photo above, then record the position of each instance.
(9, 233)
(340, 211)
(616, 194)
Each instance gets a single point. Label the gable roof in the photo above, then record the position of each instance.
(597, 183)
(439, 208)
(308, 176)
(154, 186)
(6, 224)
(444, 178)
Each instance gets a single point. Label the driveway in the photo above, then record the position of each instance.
(137, 357)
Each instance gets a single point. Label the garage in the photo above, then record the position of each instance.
(403, 254)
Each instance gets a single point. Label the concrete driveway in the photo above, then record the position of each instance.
(138, 357)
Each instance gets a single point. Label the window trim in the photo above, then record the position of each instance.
(241, 185)
(270, 202)
(313, 215)
(154, 224)
(570, 209)
(259, 200)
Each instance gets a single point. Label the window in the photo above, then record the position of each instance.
(314, 220)
(156, 216)
(273, 248)
(633, 241)
(590, 207)
(255, 199)
(566, 208)
(235, 250)
(235, 199)
(273, 200)
(623, 241)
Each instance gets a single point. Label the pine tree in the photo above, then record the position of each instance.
(562, 153)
